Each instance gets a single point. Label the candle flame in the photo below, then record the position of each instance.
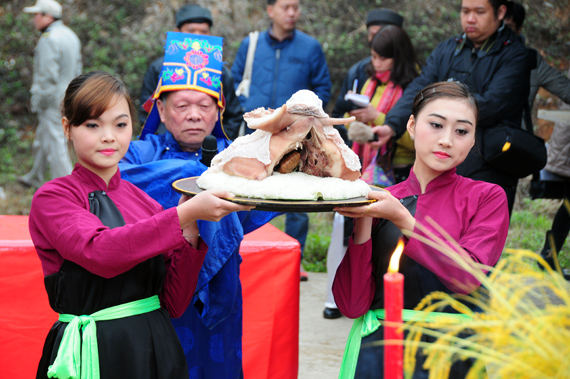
(395, 260)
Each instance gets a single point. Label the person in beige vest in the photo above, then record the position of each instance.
(57, 60)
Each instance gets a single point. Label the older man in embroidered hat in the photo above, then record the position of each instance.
(195, 19)
(189, 101)
(57, 60)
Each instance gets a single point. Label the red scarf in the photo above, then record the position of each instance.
(389, 98)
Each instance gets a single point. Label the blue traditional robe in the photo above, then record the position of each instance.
(211, 328)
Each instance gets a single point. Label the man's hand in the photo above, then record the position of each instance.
(365, 115)
(384, 133)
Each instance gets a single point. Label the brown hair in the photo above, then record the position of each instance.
(393, 42)
(89, 95)
(449, 90)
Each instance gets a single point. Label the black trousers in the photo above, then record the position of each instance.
(370, 364)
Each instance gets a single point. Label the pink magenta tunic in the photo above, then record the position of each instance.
(473, 212)
(62, 228)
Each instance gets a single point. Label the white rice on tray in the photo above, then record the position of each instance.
(293, 186)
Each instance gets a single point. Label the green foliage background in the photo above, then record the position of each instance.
(124, 36)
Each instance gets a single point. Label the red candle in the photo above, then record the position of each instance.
(393, 305)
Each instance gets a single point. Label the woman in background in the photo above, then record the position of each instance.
(392, 67)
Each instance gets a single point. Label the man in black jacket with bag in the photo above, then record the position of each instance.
(495, 64)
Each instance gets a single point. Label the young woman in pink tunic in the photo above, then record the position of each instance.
(474, 213)
(117, 266)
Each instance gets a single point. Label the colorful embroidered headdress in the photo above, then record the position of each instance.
(191, 62)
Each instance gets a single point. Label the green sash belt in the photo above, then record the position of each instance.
(68, 363)
(369, 323)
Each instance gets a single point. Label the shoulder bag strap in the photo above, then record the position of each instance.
(527, 118)
(243, 87)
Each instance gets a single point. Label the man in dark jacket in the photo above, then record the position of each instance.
(495, 64)
(195, 19)
(556, 173)
(544, 75)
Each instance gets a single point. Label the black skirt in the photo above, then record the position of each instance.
(144, 346)
(141, 346)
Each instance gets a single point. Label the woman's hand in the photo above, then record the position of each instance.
(386, 206)
(208, 205)
(366, 115)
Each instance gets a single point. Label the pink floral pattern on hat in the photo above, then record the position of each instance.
(196, 59)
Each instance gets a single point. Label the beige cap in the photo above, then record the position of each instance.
(51, 7)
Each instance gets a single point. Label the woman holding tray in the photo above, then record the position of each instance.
(474, 213)
(116, 265)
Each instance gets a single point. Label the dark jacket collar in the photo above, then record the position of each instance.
(503, 36)
(274, 39)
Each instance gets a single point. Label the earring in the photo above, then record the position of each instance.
(413, 138)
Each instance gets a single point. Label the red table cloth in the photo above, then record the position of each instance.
(270, 281)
